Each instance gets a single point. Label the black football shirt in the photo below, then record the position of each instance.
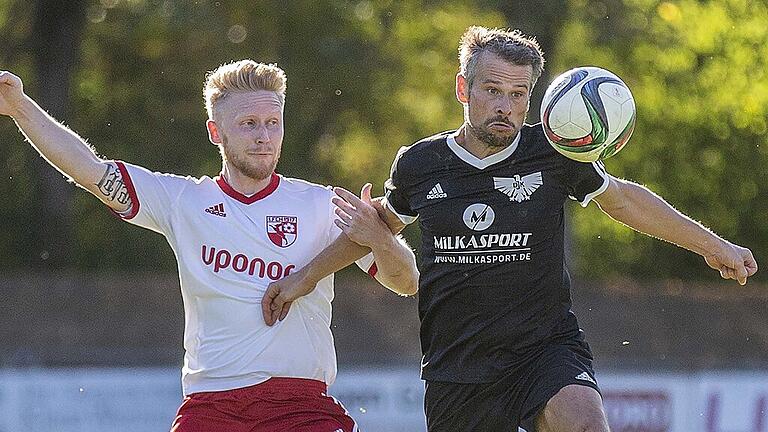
(493, 286)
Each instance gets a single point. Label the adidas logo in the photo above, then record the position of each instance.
(217, 210)
(436, 192)
(585, 377)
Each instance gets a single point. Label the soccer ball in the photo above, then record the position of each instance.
(588, 114)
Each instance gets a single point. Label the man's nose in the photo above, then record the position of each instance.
(505, 107)
(262, 135)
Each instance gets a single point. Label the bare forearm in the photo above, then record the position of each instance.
(61, 147)
(338, 255)
(71, 155)
(646, 212)
(396, 266)
(395, 263)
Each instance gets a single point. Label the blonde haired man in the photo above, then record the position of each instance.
(232, 235)
(501, 346)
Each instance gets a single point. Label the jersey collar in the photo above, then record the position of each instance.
(485, 162)
(245, 199)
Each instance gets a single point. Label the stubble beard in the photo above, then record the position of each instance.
(489, 138)
(247, 168)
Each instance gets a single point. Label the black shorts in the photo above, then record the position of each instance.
(515, 399)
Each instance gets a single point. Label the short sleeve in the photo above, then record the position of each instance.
(585, 181)
(153, 196)
(395, 196)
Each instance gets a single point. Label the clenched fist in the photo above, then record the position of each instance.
(11, 93)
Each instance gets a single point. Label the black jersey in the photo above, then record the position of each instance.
(493, 287)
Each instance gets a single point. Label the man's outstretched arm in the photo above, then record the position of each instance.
(61, 147)
(363, 222)
(642, 210)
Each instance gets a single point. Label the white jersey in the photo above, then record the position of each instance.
(229, 248)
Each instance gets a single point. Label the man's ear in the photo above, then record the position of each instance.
(462, 88)
(213, 131)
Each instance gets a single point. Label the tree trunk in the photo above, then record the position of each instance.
(55, 39)
(542, 19)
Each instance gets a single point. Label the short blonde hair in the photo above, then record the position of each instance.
(242, 76)
(511, 45)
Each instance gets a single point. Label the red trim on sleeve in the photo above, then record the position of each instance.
(274, 181)
(135, 205)
(373, 270)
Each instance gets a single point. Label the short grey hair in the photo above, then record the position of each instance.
(511, 45)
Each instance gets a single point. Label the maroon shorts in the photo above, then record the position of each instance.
(278, 404)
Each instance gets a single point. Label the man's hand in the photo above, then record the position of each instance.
(733, 262)
(11, 93)
(280, 294)
(393, 222)
(359, 218)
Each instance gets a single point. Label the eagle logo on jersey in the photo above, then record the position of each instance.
(282, 230)
(518, 188)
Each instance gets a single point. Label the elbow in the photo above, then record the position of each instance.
(405, 285)
(410, 285)
(410, 290)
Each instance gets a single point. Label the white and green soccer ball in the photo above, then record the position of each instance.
(588, 114)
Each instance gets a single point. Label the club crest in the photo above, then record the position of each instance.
(282, 230)
(518, 188)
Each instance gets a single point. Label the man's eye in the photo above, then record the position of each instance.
(493, 91)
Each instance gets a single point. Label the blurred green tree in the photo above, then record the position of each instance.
(698, 73)
(366, 77)
(50, 50)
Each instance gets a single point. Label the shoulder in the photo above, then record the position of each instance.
(428, 144)
(299, 186)
(534, 139)
(136, 172)
(423, 151)
(535, 143)
(532, 135)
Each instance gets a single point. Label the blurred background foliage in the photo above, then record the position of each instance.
(697, 70)
(366, 77)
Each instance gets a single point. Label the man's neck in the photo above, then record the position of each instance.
(477, 148)
(242, 183)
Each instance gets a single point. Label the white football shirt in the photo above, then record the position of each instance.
(229, 248)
